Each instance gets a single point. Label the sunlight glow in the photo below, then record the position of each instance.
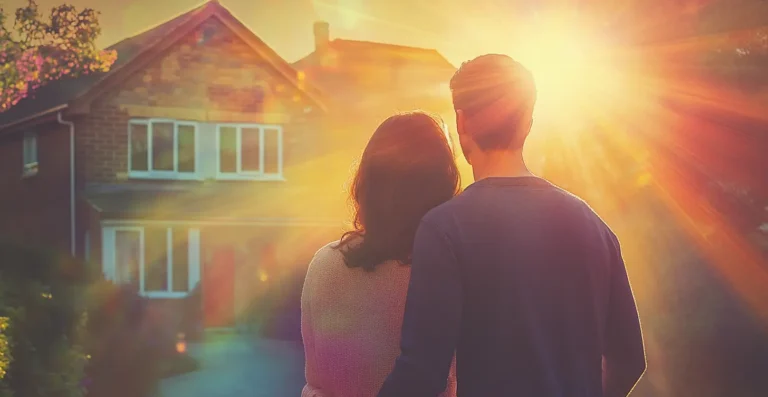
(574, 71)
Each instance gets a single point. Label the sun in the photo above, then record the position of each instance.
(574, 68)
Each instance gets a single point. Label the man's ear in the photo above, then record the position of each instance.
(460, 122)
(465, 140)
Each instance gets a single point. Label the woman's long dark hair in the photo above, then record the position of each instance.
(406, 169)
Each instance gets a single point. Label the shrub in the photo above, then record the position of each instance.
(66, 332)
(43, 321)
(124, 348)
(5, 355)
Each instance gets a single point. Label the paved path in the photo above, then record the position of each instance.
(237, 366)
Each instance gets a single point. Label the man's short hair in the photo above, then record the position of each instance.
(497, 93)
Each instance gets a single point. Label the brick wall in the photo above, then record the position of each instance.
(102, 144)
(209, 76)
(35, 209)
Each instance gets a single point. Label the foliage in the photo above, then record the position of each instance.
(130, 347)
(125, 349)
(44, 320)
(5, 352)
(65, 332)
(36, 50)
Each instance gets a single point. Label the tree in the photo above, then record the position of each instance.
(36, 50)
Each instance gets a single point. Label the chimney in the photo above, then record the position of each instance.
(322, 35)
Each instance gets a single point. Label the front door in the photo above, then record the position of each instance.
(219, 289)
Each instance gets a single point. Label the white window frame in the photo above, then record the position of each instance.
(29, 154)
(175, 174)
(109, 260)
(239, 174)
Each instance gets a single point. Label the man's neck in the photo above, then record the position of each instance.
(499, 164)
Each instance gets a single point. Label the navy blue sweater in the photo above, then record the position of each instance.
(527, 286)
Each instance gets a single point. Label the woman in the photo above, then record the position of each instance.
(354, 294)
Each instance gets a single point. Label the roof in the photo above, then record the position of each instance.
(368, 50)
(339, 68)
(426, 55)
(216, 201)
(62, 92)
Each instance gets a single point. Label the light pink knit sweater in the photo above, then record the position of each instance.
(350, 323)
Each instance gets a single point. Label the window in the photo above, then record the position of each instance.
(159, 262)
(250, 151)
(30, 154)
(162, 149)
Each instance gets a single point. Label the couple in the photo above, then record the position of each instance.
(512, 287)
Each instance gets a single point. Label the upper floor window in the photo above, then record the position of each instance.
(250, 151)
(163, 149)
(30, 154)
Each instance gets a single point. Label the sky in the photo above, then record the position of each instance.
(459, 29)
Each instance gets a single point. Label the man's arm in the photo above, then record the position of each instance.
(432, 319)
(624, 355)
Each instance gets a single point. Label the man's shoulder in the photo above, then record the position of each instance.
(581, 206)
(574, 202)
(469, 201)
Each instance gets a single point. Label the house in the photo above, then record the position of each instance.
(201, 160)
(364, 82)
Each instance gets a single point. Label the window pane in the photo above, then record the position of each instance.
(139, 153)
(30, 148)
(271, 151)
(180, 272)
(127, 257)
(249, 142)
(186, 148)
(27, 151)
(155, 259)
(162, 146)
(227, 149)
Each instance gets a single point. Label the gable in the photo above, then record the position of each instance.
(134, 54)
(210, 69)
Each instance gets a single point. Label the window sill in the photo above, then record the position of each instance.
(164, 176)
(257, 178)
(164, 295)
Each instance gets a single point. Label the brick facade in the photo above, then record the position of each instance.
(35, 209)
(209, 76)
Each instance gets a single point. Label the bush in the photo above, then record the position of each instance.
(124, 351)
(43, 321)
(5, 353)
(65, 332)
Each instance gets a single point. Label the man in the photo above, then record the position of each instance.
(519, 278)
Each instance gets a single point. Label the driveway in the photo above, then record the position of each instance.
(234, 365)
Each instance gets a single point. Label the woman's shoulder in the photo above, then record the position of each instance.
(327, 257)
(330, 251)
(334, 251)
(330, 260)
